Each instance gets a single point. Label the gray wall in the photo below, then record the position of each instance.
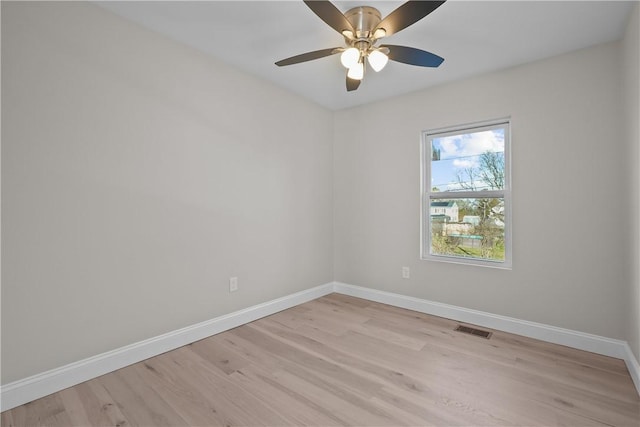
(631, 79)
(570, 236)
(138, 175)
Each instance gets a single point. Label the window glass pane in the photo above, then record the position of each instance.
(468, 228)
(472, 161)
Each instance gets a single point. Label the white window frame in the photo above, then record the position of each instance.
(426, 195)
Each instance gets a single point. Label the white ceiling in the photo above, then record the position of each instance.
(474, 37)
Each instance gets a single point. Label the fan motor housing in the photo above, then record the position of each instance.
(364, 20)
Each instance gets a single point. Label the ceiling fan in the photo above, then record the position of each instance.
(362, 27)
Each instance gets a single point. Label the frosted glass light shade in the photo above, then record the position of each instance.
(350, 57)
(356, 72)
(377, 60)
(379, 33)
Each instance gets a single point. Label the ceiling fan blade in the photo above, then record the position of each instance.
(413, 56)
(309, 56)
(407, 14)
(352, 84)
(329, 14)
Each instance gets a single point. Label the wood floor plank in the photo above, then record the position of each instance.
(137, 401)
(219, 356)
(74, 407)
(230, 404)
(353, 409)
(48, 411)
(303, 362)
(293, 405)
(99, 406)
(180, 393)
(343, 361)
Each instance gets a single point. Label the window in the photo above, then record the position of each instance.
(466, 194)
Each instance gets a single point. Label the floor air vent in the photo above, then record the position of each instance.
(473, 331)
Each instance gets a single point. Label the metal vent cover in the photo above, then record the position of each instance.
(474, 331)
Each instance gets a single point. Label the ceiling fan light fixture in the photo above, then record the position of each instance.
(377, 60)
(350, 57)
(362, 27)
(379, 33)
(356, 72)
(348, 34)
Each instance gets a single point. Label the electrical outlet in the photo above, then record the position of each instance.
(406, 272)
(233, 284)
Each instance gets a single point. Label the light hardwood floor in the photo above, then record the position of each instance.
(340, 360)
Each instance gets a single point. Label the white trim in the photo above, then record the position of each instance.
(552, 334)
(633, 366)
(22, 391)
(40, 385)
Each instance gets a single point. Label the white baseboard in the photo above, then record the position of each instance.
(633, 366)
(40, 385)
(579, 340)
